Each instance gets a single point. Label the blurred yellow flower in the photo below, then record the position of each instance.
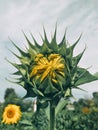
(52, 66)
(85, 110)
(11, 114)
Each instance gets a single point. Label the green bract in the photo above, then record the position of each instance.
(50, 71)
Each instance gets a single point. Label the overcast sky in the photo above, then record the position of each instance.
(79, 16)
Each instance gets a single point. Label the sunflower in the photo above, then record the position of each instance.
(85, 110)
(11, 114)
(50, 70)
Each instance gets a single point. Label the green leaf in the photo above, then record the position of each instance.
(42, 104)
(68, 93)
(20, 67)
(25, 122)
(30, 92)
(60, 105)
(84, 76)
(21, 52)
(77, 58)
(46, 39)
(44, 48)
(63, 46)
(50, 88)
(70, 49)
(73, 46)
(54, 45)
(30, 128)
(44, 84)
(96, 74)
(37, 91)
(57, 95)
(21, 83)
(47, 110)
(63, 42)
(29, 43)
(23, 60)
(35, 42)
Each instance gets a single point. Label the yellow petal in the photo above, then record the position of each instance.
(45, 73)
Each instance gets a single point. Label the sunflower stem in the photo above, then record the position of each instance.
(52, 116)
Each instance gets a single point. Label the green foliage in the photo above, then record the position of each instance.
(60, 106)
(9, 92)
(12, 98)
(63, 121)
(1, 108)
(83, 117)
(40, 120)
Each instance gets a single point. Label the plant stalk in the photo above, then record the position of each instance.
(52, 116)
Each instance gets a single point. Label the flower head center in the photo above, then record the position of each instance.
(10, 113)
(52, 66)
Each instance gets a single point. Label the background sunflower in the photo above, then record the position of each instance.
(11, 114)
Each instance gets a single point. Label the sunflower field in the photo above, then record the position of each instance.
(48, 71)
(80, 115)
